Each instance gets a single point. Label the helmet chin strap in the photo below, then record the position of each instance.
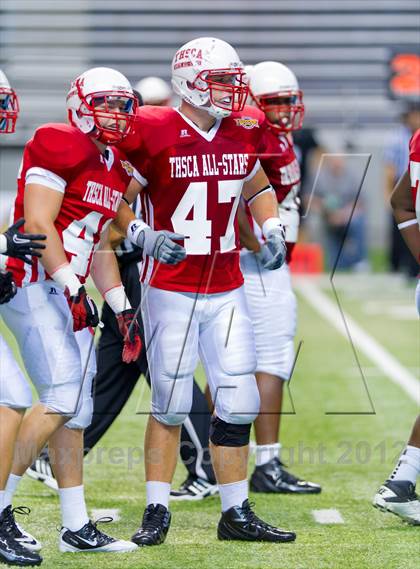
(209, 108)
(214, 111)
(218, 113)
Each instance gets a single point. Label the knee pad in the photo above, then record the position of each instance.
(227, 434)
(64, 398)
(84, 416)
(238, 402)
(170, 419)
(171, 399)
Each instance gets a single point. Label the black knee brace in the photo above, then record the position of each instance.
(227, 434)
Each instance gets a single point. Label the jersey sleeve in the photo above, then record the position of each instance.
(414, 168)
(134, 149)
(52, 156)
(128, 171)
(414, 147)
(263, 145)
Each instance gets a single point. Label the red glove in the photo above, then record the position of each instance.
(129, 328)
(83, 309)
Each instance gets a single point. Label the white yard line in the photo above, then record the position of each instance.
(363, 341)
(331, 516)
(114, 513)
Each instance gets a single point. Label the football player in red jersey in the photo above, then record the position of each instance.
(271, 300)
(397, 494)
(23, 246)
(70, 186)
(197, 161)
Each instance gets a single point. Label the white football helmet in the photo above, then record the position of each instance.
(9, 106)
(207, 73)
(101, 103)
(154, 91)
(275, 90)
(248, 69)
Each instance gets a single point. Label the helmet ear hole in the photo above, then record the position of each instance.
(190, 85)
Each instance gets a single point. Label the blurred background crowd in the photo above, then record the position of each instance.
(357, 61)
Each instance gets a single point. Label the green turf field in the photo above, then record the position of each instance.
(349, 454)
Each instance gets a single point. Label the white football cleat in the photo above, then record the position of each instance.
(398, 497)
(89, 539)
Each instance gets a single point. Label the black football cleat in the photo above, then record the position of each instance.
(154, 527)
(14, 553)
(241, 523)
(10, 527)
(89, 539)
(272, 478)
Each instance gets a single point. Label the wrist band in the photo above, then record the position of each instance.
(135, 227)
(3, 243)
(117, 299)
(405, 224)
(65, 277)
(270, 224)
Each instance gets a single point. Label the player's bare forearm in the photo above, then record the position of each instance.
(404, 213)
(411, 236)
(124, 216)
(262, 205)
(115, 237)
(41, 207)
(246, 235)
(133, 190)
(104, 270)
(390, 176)
(401, 200)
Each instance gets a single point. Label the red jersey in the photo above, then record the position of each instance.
(414, 169)
(194, 183)
(67, 161)
(278, 159)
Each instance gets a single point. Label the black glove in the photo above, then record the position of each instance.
(7, 287)
(23, 245)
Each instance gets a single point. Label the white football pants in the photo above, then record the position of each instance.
(180, 328)
(272, 306)
(60, 363)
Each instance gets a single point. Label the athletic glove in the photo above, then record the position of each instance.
(273, 251)
(7, 287)
(83, 309)
(22, 245)
(161, 245)
(129, 328)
